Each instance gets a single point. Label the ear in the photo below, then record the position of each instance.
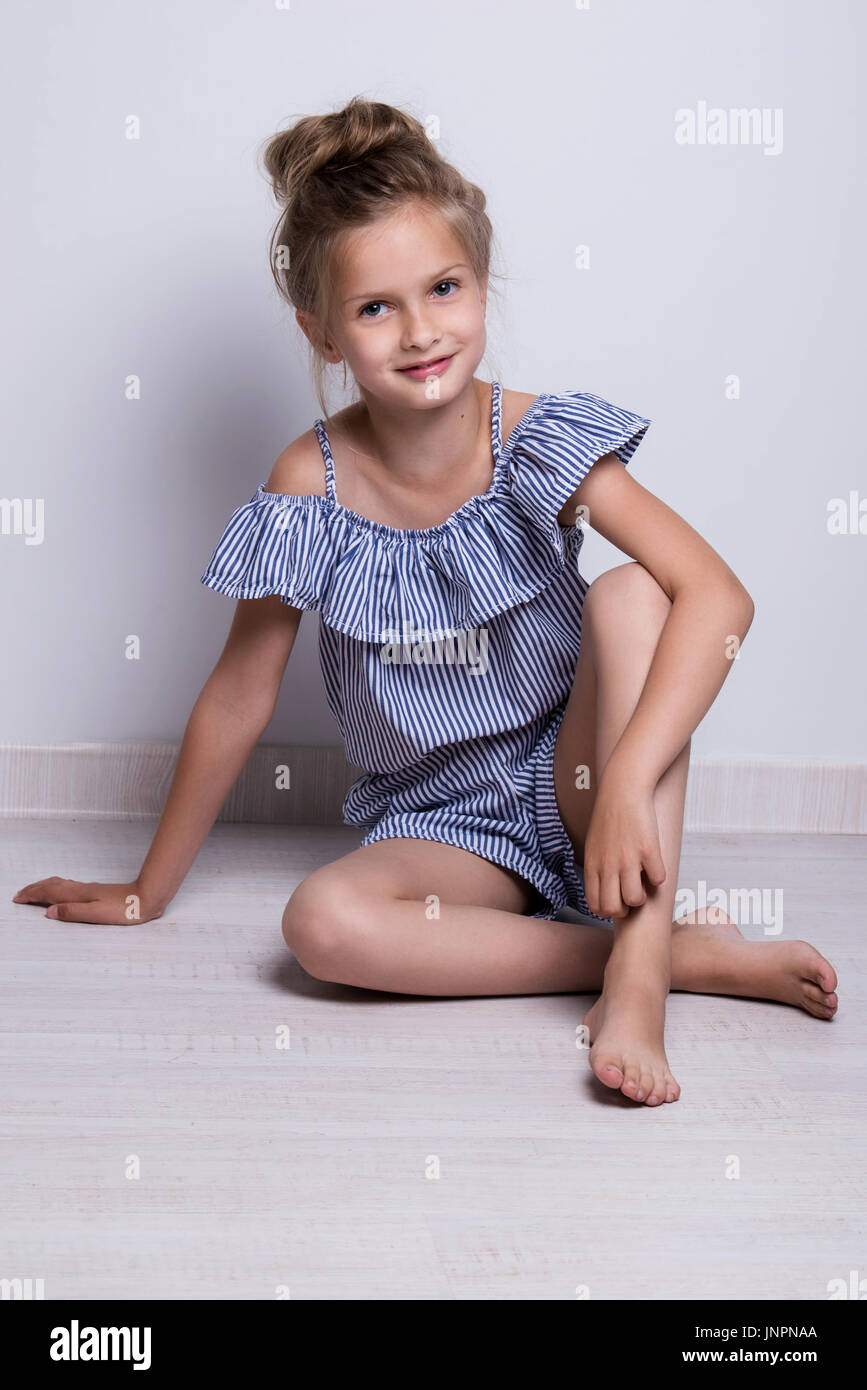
(309, 325)
(483, 292)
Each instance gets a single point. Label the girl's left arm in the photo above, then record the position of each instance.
(710, 615)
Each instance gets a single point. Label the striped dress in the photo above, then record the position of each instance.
(448, 652)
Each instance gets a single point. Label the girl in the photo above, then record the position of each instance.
(437, 518)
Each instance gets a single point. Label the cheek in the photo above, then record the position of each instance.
(368, 345)
(473, 326)
(472, 312)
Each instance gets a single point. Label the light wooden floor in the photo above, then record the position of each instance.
(306, 1167)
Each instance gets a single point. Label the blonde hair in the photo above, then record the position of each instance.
(344, 170)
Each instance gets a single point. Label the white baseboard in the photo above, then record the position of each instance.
(130, 781)
(800, 795)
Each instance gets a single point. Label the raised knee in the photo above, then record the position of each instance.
(325, 928)
(628, 588)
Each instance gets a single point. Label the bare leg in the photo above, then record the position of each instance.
(415, 916)
(420, 917)
(367, 919)
(624, 614)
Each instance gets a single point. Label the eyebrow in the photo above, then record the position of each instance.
(434, 280)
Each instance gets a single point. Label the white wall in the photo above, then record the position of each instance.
(150, 257)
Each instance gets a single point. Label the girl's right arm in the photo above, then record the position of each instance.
(232, 711)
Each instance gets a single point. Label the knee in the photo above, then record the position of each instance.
(325, 928)
(631, 590)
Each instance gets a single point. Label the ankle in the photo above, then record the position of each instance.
(646, 974)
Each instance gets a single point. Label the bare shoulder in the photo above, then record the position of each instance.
(521, 398)
(515, 406)
(300, 469)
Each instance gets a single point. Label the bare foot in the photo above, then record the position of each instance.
(710, 956)
(626, 1032)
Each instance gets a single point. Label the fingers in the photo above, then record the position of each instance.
(47, 891)
(599, 891)
(631, 888)
(68, 900)
(100, 913)
(653, 866)
(610, 900)
(615, 892)
(591, 887)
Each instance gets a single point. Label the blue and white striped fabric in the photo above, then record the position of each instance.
(448, 652)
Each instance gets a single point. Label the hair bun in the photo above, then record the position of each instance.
(330, 144)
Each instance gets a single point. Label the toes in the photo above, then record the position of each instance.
(645, 1085)
(658, 1090)
(821, 996)
(824, 976)
(631, 1081)
(819, 1002)
(820, 1010)
(608, 1069)
(717, 918)
(686, 919)
(816, 968)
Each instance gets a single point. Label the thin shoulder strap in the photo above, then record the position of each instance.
(496, 422)
(330, 482)
(325, 446)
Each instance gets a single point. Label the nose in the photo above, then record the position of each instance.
(419, 333)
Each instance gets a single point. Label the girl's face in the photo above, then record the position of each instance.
(404, 294)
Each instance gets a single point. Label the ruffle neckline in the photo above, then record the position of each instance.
(500, 548)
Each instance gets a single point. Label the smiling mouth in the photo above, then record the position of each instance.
(415, 366)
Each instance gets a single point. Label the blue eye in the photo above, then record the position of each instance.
(374, 303)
